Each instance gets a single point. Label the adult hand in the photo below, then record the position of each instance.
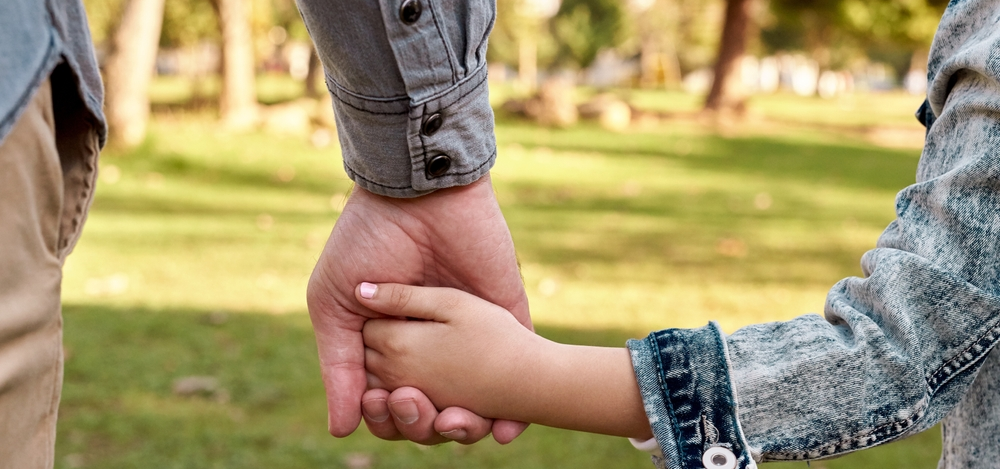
(453, 237)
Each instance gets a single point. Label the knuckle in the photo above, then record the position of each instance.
(396, 348)
(399, 298)
(450, 301)
(390, 378)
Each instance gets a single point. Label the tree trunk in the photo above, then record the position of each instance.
(238, 100)
(726, 92)
(312, 74)
(649, 64)
(527, 62)
(129, 69)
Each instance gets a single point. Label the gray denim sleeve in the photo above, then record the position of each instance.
(408, 81)
(909, 345)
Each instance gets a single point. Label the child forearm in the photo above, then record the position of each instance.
(591, 389)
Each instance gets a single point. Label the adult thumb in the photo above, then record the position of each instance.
(395, 299)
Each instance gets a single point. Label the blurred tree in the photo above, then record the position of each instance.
(129, 68)
(313, 75)
(898, 32)
(506, 34)
(238, 100)
(103, 17)
(837, 32)
(285, 14)
(725, 93)
(654, 34)
(188, 22)
(582, 28)
(548, 33)
(520, 38)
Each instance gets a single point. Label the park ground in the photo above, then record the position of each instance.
(196, 255)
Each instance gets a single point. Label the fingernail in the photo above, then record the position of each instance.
(405, 411)
(373, 409)
(457, 434)
(368, 290)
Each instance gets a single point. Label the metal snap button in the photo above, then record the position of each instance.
(409, 11)
(432, 124)
(718, 457)
(438, 165)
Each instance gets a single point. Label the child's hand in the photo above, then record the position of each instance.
(464, 351)
(456, 353)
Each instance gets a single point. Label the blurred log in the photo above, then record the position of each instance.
(128, 70)
(610, 111)
(555, 105)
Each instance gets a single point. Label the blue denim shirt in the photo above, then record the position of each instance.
(909, 345)
(36, 37)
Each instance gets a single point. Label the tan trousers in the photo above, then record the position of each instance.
(43, 202)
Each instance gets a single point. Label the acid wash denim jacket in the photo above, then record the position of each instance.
(903, 348)
(909, 345)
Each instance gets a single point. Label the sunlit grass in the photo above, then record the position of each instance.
(197, 252)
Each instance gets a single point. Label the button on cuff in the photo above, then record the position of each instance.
(438, 166)
(464, 135)
(431, 124)
(410, 10)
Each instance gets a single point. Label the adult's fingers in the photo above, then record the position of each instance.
(341, 354)
(413, 415)
(504, 431)
(461, 425)
(375, 409)
(390, 423)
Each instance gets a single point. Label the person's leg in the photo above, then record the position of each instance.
(31, 212)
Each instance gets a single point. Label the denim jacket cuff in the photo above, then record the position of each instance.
(401, 148)
(684, 380)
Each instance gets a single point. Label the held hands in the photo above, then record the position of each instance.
(466, 352)
(453, 237)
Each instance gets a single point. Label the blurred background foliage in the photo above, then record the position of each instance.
(647, 43)
(632, 207)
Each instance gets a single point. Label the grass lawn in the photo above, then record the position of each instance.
(196, 255)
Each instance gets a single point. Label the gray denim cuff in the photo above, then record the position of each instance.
(684, 380)
(400, 148)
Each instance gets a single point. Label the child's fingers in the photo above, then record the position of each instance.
(373, 369)
(378, 335)
(374, 382)
(408, 301)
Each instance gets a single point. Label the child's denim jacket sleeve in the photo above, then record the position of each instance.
(903, 348)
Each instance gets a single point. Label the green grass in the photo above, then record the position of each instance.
(199, 245)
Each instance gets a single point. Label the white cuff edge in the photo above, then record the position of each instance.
(649, 446)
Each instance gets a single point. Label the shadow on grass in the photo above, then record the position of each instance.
(119, 411)
(559, 221)
(848, 164)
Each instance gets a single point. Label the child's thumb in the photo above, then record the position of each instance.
(396, 299)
